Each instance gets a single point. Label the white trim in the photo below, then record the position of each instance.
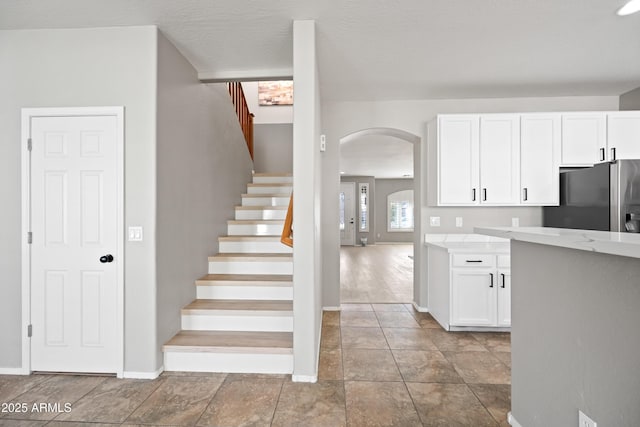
(331, 308)
(304, 378)
(418, 308)
(27, 115)
(143, 375)
(511, 420)
(13, 371)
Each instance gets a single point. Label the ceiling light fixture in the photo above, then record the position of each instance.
(632, 6)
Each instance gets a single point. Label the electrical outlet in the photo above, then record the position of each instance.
(458, 221)
(434, 221)
(584, 421)
(515, 222)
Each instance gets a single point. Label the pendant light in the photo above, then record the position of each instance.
(632, 6)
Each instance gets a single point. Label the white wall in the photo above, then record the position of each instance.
(630, 100)
(84, 67)
(307, 260)
(203, 166)
(273, 147)
(266, 114)
(343, 118)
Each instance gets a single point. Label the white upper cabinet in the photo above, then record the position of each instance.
(623, 135)
(584, 138)
(539, 159)
(458, 159)
(499, 159)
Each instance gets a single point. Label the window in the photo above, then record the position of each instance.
(363, 191)
(400, 211)
(342, 225)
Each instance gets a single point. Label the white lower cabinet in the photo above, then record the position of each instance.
(469, 291)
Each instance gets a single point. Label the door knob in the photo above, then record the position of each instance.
(106, 258)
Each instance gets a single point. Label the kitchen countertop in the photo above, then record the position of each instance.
(468, 243)
(605, 242)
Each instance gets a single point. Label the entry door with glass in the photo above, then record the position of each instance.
(347, 213)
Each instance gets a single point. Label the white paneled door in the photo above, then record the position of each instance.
(74, 251)
(347, 213)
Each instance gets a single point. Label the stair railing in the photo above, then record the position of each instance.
(242, 111)
(287, 230)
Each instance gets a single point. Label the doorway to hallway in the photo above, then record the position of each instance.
(381, 273)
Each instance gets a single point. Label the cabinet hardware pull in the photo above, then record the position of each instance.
(602, 154)
(491, 285)
(473, 260)
(502, 274)
(473, 195)
(484, 194)
(525, 195)
(613, 153)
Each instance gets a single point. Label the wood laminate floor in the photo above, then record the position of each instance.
(376, 274)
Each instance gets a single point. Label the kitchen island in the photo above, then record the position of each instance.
(575, 331)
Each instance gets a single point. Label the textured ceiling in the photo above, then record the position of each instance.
(377, 155)
(385, 49)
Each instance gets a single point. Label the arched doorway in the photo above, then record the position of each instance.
(416, 149)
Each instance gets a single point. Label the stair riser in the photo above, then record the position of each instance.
(272, 179)
(245, 292)
(248, 247)
(228, 362)
(265, 201)
(255, 229)
(229, 322)
(229, 267)
(269, 190)
(261, 214)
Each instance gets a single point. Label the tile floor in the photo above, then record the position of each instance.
(380, 365)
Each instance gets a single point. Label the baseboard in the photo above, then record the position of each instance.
(143, 375)
(512, 421)
(331, 308)
(420, 309)
(304, 378)
(13, 371)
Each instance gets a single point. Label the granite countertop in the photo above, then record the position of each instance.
(605, 242)
(468, 243)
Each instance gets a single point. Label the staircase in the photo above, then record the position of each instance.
(242, 319)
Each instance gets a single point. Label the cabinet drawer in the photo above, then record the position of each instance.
(504, 261)
(471, 260)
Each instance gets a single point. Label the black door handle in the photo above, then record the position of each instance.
(491, 285)
(503, 285)
(106, 258)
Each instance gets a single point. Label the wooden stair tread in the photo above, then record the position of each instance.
(250, 257)
(240, 238)
(211, 340)
(262, 208)
(255, 221)
(273, 174)
(270, 195)
(243, 305)
(247, 277)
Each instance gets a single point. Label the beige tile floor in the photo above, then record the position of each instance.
(380, 365)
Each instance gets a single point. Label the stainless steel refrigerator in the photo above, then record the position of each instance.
(603, 197)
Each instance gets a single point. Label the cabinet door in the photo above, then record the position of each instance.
(623, 135)
(458, 160)
(500, 159)
(583, 139)
(539, 159)
(473, 297)
(504, 297)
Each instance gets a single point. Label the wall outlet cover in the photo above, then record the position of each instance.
(458, 221)
(515, 222)
(434, 221)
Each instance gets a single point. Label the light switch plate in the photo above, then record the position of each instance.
(434, 221)
(515, 222)
(135, 234)
(323, 143)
